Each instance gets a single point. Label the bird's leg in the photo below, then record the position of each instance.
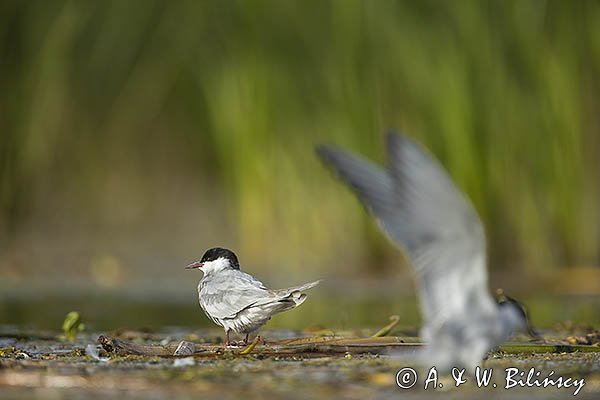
(241, 342)
(228, 341)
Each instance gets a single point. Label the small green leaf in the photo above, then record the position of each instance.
(72, 324)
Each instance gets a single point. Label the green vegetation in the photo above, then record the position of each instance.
(71, 325)
(96, 97)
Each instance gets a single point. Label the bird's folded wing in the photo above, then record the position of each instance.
(234, 293)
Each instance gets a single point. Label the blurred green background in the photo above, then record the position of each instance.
(137, 134)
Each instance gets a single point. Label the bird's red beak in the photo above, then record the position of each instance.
(195, 265)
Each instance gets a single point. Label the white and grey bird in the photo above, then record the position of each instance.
(236, 300)
(416, 203)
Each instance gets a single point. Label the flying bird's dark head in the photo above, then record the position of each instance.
(216, 259)
(516, 313)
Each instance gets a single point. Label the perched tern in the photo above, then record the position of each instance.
(236, 300)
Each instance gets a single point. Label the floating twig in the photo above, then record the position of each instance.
(318, 347)
(388, 328)
(249, 349)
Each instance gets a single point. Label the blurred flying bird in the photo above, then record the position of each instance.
(236, 300)
(416, 203)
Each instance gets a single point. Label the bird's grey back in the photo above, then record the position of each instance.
(226, 293)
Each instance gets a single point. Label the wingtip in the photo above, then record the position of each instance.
(331, 157)
(392, 132)
(324, 151)
(395, 138)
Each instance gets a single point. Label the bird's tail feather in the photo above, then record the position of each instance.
(295, 299)
(297, 289)
(293, 296)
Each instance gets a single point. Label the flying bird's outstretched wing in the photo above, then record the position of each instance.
(417, 204)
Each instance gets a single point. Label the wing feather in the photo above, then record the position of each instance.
(225, 295)
(417, 204)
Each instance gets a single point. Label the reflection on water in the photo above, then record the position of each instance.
(102, 311)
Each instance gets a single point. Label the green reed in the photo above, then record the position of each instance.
(505, 93)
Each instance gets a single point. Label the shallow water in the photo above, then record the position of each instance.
(103, 310)
(48, 367)
(36, 364)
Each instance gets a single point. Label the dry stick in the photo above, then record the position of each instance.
(123, 348)
(317, 346)
(388, 328)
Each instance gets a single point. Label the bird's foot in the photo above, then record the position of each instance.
(233, 343)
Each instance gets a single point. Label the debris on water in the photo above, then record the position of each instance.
(591, 338)
(7, 351)
(184, 362)
(93, 351)
(183, 348)
(325, 363)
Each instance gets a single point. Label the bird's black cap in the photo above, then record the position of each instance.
(219, 252)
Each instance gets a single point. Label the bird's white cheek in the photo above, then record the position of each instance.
(214, 266)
